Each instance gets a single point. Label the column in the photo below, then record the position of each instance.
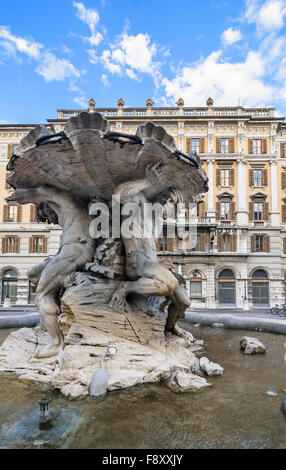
(22, 291)
(242, 213)
(211, 286)
(274, 214)
(210, 209)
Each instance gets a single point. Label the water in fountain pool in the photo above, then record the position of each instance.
(235, 413)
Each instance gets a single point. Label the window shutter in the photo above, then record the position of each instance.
(251, 177)
(265, 214)
(252, 242)
(19, 213)
(7, 185)
(31, 245)
(264, 146)
(4, 245)
(45, 244)
(283, 180)
(284, 245)
(10, 150)
(231, 145)
(202, 209)
(234, 243)
(202, 145)
(283, 212)
(250, 146)
(251, 211)
(170, 244)
(202, 246)
(219, 243)
(32, 213)
(266, 243)
(264, 177)
(282, 149)
(188, 145)
(218, 177)
(218, 145)
(231, 177)
(232, 210)
(5, 213)
(17, 245)
(218, 211)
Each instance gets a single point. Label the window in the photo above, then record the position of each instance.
(196, 243)
(224, 177)
(163, 244)
(195, 145)
(38, 244)
(224, 207)
(12, 213)
(224, 145)
(258, 210)
(260, 243)
(257, 146)
(283, 149)
(226, 242)
(196, 284)
(257, 177)
(9, 285)
(10, 244)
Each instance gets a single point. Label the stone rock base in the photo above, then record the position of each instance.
(145, 352)
(252, 345)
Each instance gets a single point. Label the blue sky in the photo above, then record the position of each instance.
(59, 54)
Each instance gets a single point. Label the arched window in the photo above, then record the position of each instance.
(226, 288)
(9, 285)
(260, 288)
(196, 284)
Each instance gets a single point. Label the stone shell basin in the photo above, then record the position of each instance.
(90, 161)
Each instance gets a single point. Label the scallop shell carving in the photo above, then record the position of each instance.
(90, 161)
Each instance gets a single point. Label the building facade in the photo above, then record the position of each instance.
(238, 256)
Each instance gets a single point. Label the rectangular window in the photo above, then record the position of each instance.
(257, 146)
(225, 211)
(226, 243)
(224, 177)
(11, 244)
(38, 245)
(196, 288)
(12, 213)
(196, 243)
(195, 145)
(259, 243)
(224, 145)
(163, 244)
(257, 177)
(258, 210)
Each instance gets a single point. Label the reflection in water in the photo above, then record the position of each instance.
(235, 413)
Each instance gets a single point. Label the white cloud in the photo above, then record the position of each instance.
(131, 55)
(91, 18)
(223, 81)
(15, 43)
(230, 36)
(53, 68)
(268, 16)
(104, 79)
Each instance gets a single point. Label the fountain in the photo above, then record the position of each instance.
(105, 288)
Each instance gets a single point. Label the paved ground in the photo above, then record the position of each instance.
(263, 313)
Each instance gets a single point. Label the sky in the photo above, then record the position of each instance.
(61, 53)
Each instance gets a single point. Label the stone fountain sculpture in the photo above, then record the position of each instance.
(102, 290)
